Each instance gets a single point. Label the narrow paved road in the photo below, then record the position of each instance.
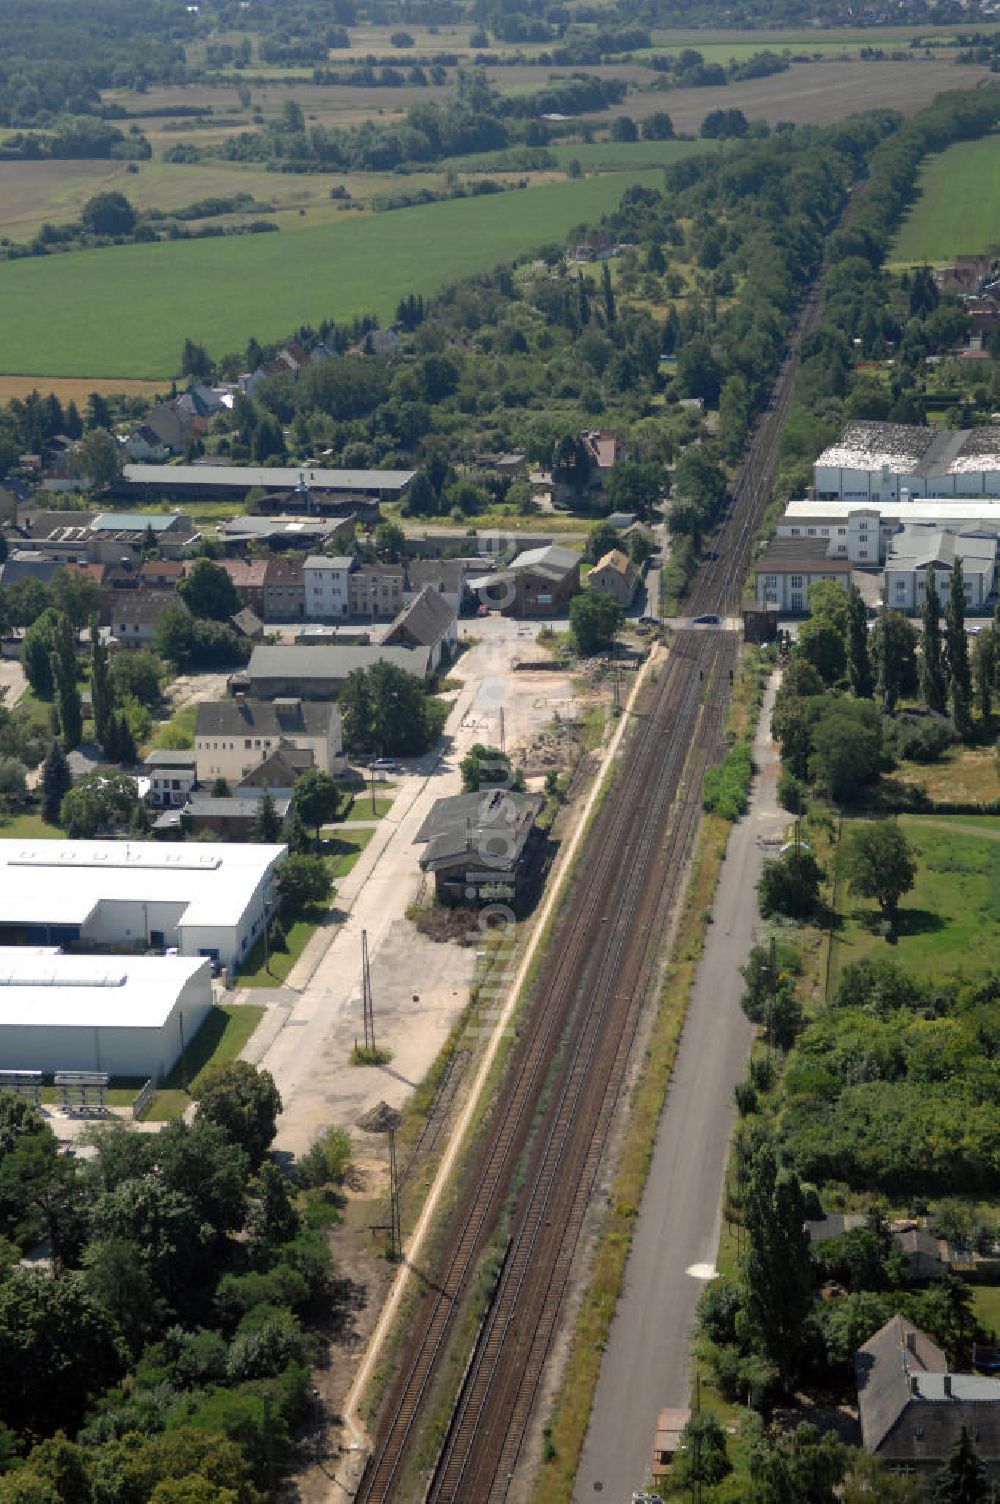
(647, 1362)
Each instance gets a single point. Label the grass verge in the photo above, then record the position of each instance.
(280, 962)
(219, 1040)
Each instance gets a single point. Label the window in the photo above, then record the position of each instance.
(796, 582)
(247, 745)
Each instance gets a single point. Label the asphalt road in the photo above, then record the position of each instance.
(646, 1365)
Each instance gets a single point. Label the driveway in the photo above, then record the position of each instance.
(419, 987)
(646, 1365)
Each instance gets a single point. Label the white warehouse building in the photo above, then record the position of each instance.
(205, 900)
(893, 461)
(126, 1015)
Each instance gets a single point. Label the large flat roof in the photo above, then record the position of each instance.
(909, 449)
(47, 990)
(62, 882)
(920, 509)
(282, 477)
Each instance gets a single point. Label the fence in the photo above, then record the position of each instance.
(142, 1099)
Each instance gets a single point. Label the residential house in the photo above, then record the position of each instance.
(447, 576)
(788, 566)
(913, 1411)
(618, 575)
(320, 673)
(539, 582)
(161, 574)
(232, 737)
(231, 817)
(172, 776)
(143, 443)
(279, 769)
(603, 448)
(427, 622)
(248, 577)
(284, 590)
(165, 429)
(375, 590)
(966, 274)
(919, 546)
(382, 342)
(325, 577)
(134, 614)
(20, 565)
(598, 246)
(477, 843)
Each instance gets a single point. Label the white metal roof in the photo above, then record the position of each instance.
(945, 509)
(62, 882)
(276, 478)
(45, 990)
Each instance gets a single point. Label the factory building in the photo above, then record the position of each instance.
(893, 461)
(206, 900)
(125, 1015)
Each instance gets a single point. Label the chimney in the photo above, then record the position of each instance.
(946, 1382)
(911, 1342)
(914, 1385)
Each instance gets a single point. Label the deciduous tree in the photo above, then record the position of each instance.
(879, 862)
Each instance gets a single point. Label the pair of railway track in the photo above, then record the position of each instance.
(576, 1041)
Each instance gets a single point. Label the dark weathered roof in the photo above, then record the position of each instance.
(883, 1366)
(247, 622)
(242, 806)
(264, 718)
(332, 663)
(804, 554)
(141, 606)
(490, 827)
(441, 574)
(161, 757)
(424, 621)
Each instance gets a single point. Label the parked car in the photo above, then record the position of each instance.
(707, 619)
(384, 765)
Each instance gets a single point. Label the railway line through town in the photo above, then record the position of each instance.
(599, 973)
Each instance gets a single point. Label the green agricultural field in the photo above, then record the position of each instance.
(125, 311)
(959, 205)
(951, 919)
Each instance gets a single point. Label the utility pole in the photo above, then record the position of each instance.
(366, 995)
(503, 742)
(395, 1236)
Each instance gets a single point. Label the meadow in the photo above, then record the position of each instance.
(952, 915)
(126, 310)
(958, 208)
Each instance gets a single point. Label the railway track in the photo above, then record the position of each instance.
(576, 1040)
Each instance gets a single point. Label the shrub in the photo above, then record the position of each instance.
(726, 790)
